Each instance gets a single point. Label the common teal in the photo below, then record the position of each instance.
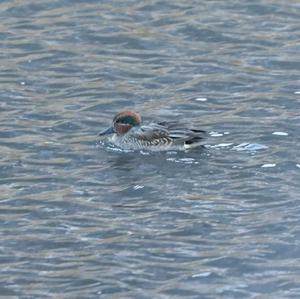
(129, 133)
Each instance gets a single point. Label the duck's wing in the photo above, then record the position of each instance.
(181, 133)
(167, 133)
(150, 132)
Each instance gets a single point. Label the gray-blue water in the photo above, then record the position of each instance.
(79, 220)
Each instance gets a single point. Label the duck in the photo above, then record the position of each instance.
(127, 132)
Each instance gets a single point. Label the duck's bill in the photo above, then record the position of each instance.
(107, 131)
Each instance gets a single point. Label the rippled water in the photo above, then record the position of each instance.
(79, 220)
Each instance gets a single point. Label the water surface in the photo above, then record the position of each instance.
(80, 220)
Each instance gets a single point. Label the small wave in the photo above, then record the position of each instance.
(252, 147)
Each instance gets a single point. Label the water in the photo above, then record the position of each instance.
(79, 220)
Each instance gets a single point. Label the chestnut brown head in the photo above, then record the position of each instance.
(123, 122)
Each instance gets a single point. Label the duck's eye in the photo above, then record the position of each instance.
(125, 120)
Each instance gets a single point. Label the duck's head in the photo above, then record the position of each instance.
(123, 122)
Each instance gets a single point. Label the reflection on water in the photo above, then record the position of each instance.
(82, 220)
